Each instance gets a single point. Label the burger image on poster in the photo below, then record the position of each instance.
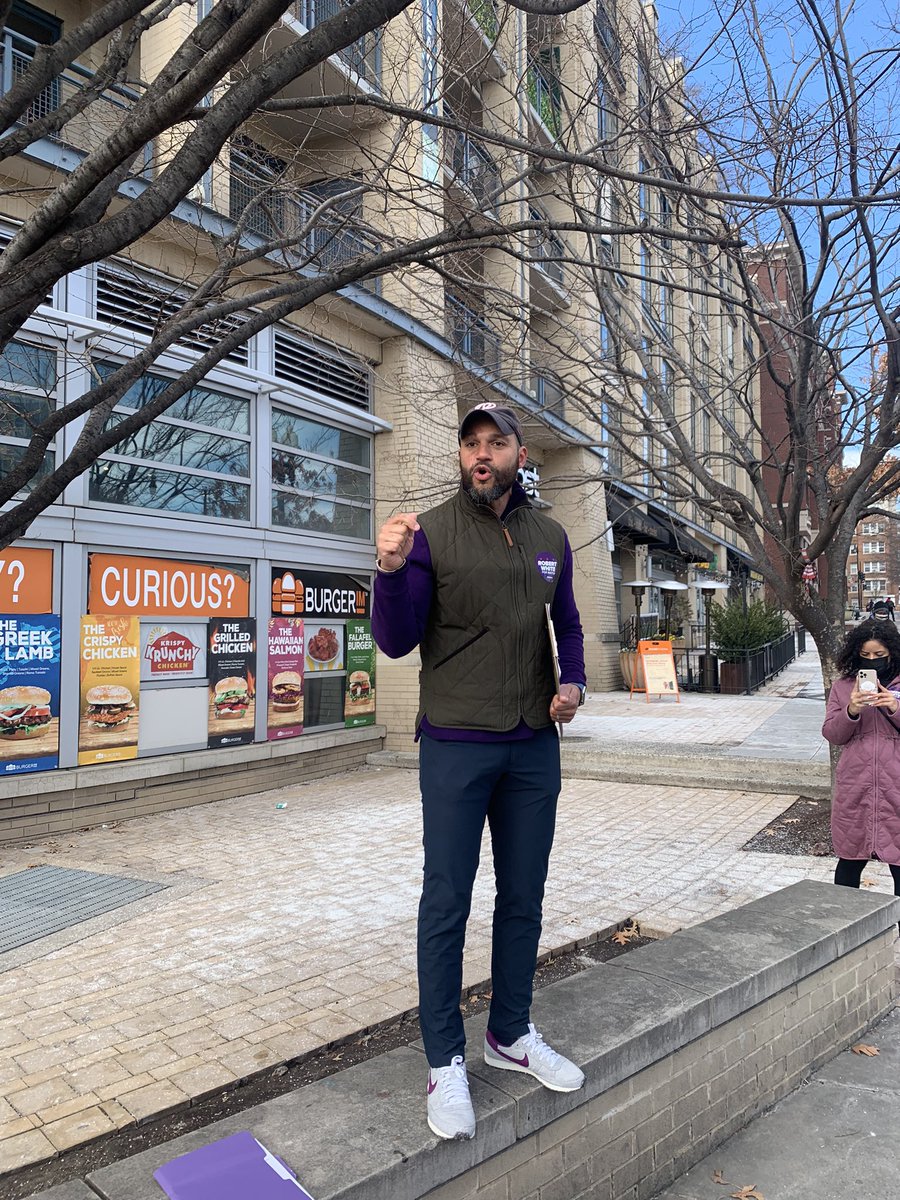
(286, 691)
(360, 687)
(24, 712)
(231, 698)
(108, 706)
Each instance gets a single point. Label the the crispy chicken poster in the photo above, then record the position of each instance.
(232, 683)
(110, 689)
(29, 693)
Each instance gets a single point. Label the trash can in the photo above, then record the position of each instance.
(709, 672)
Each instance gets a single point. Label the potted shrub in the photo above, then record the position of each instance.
(737, 633)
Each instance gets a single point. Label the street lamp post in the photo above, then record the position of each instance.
(637, 586)
(709, 662)
(669, 587)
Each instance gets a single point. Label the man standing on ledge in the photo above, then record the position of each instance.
(468, 582)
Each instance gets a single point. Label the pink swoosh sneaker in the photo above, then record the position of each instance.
(450, 1111)
(531, 1055)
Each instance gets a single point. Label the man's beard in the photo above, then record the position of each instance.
(486, 494)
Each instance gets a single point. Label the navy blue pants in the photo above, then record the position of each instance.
(516, 786)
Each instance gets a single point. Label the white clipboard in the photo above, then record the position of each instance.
(554, 650)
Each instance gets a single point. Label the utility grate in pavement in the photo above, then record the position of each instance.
(43, 900)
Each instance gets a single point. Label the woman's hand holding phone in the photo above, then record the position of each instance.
(881, 698)
(884, 699)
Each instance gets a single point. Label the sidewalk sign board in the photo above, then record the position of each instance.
(656, 664)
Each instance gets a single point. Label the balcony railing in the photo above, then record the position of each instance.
(544, 96)
(547, 249)
(330, 243)
(86, 130)
(469, 334)
(473, 166)
(362, 56)
(549, 394)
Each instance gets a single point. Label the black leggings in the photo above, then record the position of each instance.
(848, 873)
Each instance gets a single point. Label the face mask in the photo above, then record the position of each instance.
(882, 665)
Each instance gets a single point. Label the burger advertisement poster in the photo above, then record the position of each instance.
(110, 689)
(231, 664)
(285, 671)
(359, 698)
(29, 693)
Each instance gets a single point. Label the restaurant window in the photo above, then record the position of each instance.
(28, 379)
(321, 477)
(194, 460)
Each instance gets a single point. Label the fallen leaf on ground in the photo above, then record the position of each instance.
(820, 849)
(868, 883)
(718, 1177)
(769, 832)
(622, 936)
(748, 1193)
(862, 1048)
(791, 821)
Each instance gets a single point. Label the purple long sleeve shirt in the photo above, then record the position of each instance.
(401, 604)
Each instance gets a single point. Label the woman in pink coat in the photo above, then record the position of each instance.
(865, 807)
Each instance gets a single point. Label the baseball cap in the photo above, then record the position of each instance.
(504, 418)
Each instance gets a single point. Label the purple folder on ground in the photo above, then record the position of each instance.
(235, 1168)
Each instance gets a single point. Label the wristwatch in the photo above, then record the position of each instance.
(582, 688)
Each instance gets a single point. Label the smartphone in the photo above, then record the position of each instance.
(867, 680)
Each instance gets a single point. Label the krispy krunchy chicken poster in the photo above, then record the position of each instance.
(110, 689)
(231, 663)
(29, 693)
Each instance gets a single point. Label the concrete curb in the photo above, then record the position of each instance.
(638, 765)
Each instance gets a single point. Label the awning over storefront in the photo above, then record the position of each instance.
(680, 542)
(629, 520)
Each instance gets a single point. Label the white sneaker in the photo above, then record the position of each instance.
(531, 1055)
(450, 1111)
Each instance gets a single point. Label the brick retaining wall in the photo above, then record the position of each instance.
(682, 1042)
(635, 1139)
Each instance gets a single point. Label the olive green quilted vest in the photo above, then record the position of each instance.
(486, 659)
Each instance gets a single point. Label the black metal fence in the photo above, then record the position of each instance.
(741, 672)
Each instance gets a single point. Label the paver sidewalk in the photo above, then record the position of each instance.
(280, 930)
(784, 720)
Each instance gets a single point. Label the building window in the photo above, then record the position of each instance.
(870, 527)
(28, 379)
(321, 477)
(873, 548)
(194, 460)
(874, 567)
(607, 119)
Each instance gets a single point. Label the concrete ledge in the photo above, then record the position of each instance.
(682, 1042)
(45, 803)
(639, 765)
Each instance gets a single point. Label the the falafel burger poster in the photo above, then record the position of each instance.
(231, 663)
(110, 689)
(285, 662)
(29, 693)
(359, 697)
